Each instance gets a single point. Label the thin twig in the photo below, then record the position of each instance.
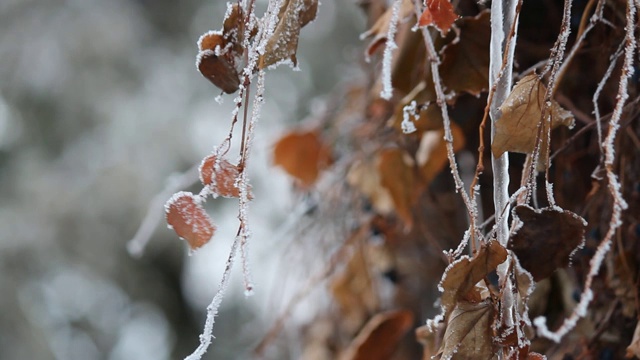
(434, 61)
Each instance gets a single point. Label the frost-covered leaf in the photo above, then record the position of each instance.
(468, 335)
(465, 62)
(217, 68)
(302, 155)
(294, 14)
(461, 277)
(517, 128)
(432, 152)
(218, 52)
(397, 175)
(189, 220)
(440, 14)
(220, 176)
(545, 239)
(380, 28)
(380, 336)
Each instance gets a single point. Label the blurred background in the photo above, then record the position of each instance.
(100, 106)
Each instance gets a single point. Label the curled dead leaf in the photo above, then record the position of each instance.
(517, 128)
(283, 44)
(461, 277)
(188, 219)
(468, 335)
(303, 155)
(380, 336)
(218, 52)
(554, 232)
(440, 14)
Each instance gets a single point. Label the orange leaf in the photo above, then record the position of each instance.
(302, 155)
(188, 219)
(440, 14)
(220, 176)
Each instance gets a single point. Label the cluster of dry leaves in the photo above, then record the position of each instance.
(397, 158)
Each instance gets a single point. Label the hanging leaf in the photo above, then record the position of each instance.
(440, 14)
(465, 61)
(517, 128)
(468, 335)
(221, 177)
(302, 155)
(188, 219)
(380, 336)
(554, 232)
(461, 277)
(294, 14)
(219, 51)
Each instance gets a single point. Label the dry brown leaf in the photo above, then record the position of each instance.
(219, 69)
(554, 232)
(218, 52)
(432, 152)
(468, 335)
(189, 220)
(380, 336)
(380, 28)
(397, 175)
(302, 155)
(634, 348)
(283, 44)
(462, 275)
(465, 62)
(517, 128)
(440, 14)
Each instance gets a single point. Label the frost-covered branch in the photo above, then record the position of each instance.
(500, 77)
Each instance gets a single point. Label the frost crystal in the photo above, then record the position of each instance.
(387, 89)
(407, 124)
